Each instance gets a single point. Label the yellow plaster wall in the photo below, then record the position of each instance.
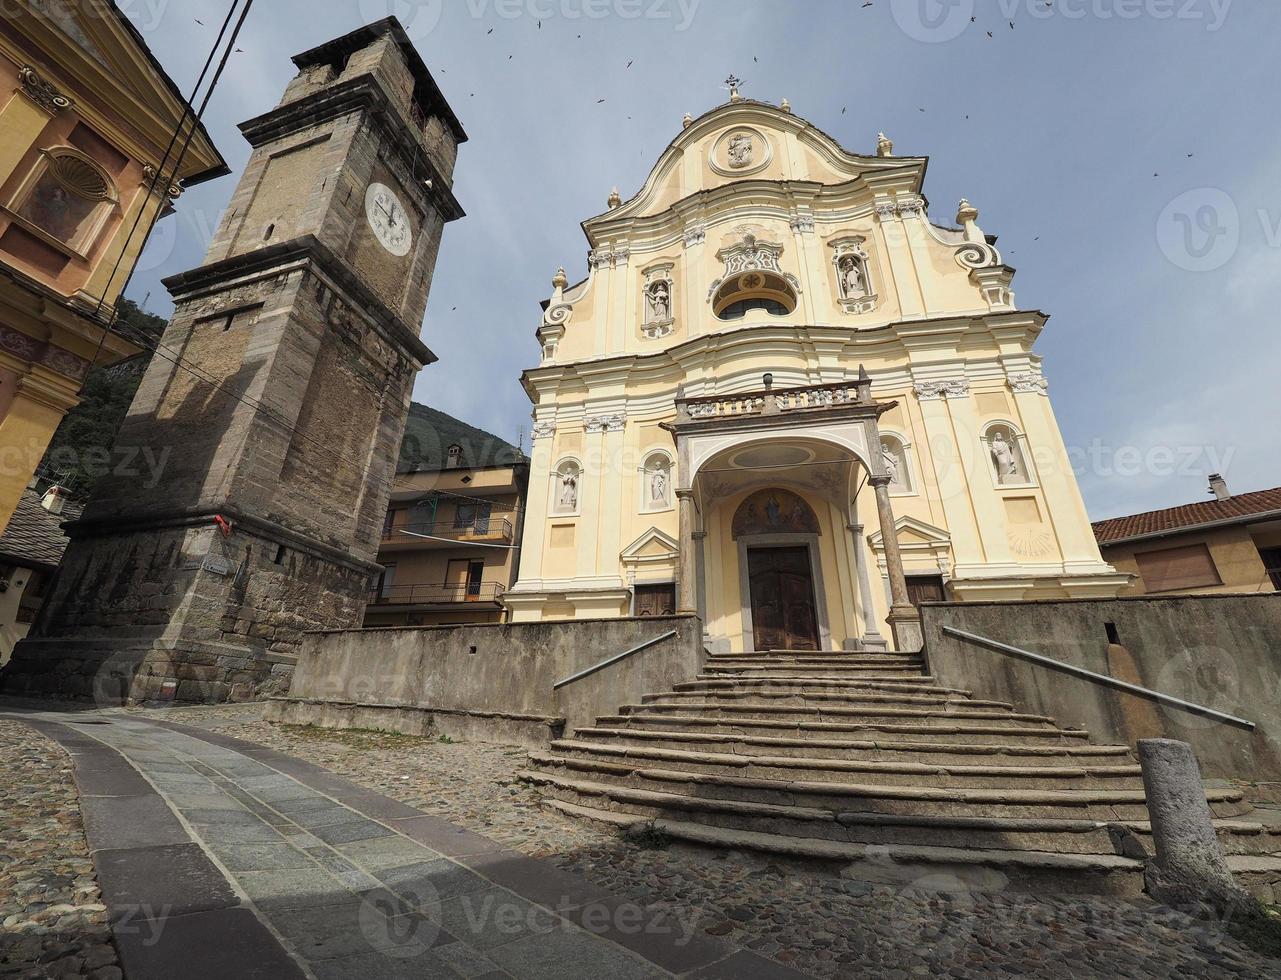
(1234, 550)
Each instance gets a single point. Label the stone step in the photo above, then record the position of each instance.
(881, 748)
(853, 656)
(827, 672)
(800, 683)
(883, 772)
(799, 726)
(818, 663)
(902, 864)
(837, 797)
(1060, 830)
(850, 697)
(756, 710)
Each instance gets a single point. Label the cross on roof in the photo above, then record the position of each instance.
(733, 83)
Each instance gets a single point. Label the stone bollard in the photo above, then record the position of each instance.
(1189, 868)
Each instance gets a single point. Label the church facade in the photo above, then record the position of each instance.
(787, 400)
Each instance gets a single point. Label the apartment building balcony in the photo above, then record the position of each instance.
(461, 595)
(448, 534)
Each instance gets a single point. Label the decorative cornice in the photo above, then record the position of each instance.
(41, 91)
(934, 390)
(695, 235)
(911, 207)
(803, 224)
(41, 352)
(605, 423)
(1029, 382)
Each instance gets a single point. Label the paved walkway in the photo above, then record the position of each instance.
(218, 858)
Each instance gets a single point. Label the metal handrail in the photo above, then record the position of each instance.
(493, 527)
(1103, 679)
(444, 594)
(613, 660)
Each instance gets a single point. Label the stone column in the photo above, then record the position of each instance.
(1189, 864)
(700, 578)
(687, 597)
(872, 638)
(904, 620)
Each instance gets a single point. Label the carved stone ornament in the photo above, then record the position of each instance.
(605, 423)
(934, 390)
(1029, 382)
(557, 315)
(149, 174)
(977, 255)
(751, 255)
(886, 210)
(660, 302)
(41, 91)
(911, 207)
(803, 224)
(543, 430)
(740, 150)
(853, 279)
(695, 235)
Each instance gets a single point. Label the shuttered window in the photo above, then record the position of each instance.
(1170, 569)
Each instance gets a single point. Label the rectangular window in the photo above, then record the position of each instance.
(655, 600)
(1171, 569)
(464, 516)
(386, 581)
(389, 522)
(1272, 562)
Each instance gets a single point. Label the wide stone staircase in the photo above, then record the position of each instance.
(862, 758)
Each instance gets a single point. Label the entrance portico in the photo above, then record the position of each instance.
(772, 552)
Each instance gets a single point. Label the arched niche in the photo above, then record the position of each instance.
(774, 511)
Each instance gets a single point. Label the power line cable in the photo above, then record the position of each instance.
(160, 167)
(191, 133)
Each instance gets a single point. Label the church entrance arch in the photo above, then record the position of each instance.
(778, 534)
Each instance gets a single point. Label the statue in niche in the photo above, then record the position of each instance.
(1003, 453)
(660, 302)
(853, 282)
(890, 459)
(658, 486)
(569, 490)
(740, 150)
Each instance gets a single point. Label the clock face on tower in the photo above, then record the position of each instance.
(388, 219)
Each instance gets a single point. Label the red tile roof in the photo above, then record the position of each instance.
(1242, 506)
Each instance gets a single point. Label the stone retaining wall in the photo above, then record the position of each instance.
(1221, 651)
(494, 681)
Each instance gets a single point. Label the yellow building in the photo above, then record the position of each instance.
(703, 439)
(86, 114)
(451, 540)
(1229, 544)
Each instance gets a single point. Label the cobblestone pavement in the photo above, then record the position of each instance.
(52, 920)
(814, 922)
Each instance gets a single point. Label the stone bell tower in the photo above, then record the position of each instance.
(266, 430)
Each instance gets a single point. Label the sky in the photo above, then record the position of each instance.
(1124, 151)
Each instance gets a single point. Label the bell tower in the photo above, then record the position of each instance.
(266, 430)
